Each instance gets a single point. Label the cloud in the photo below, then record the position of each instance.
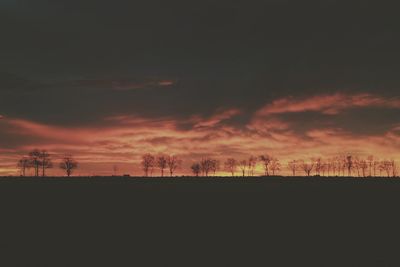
(123, 139)
(124, 84)
(215, 119)
(328, 104)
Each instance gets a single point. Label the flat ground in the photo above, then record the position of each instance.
(272, 221)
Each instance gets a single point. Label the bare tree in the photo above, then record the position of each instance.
(375, 166)
(207, 165)
(307, 167)
(386, 166)
(266, 159)
(329, 167)
(23, 164)
(173, 163)
(343, 164)
(370, 160)
(231, 165)
(335, 166)
(45, 161)
(214, 166)
(162, 163)
(292, 166)
(148, 162)
(357, 165)
(252, 162)
(395, 168)
(323, 168)
(34, 158)
(196, 169)
(68, 164)
(275, 166)
(349, 164)
(317, 165)
(363, 166)
(243, 166)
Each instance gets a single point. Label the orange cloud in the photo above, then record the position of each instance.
(123, 139)
(328, 104)
(200, 122)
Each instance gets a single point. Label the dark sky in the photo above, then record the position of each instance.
(218, 53)
(73, 63)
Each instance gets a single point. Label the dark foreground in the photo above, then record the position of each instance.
(199, 222)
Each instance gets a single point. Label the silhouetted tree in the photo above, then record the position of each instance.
(173, 163)
(196, 169)
(334, 165)
(375, 166)
(68, 164)
(357, 165)
(370, 160)
(275, 166)
(307, 167)
(323, 168)
(34, 158)
(23, 164)
(292, 166)
(207, 165)
(252, 162)
(363, 166)
(329, 167)
(148, 162)
(266, 159)
(349, 164)
(230, 165)
(243, 166)
(45, 161)
(386, 166)
(162, 163)
(214, 166)
(395, 168)
(343, 164)
(317, 165)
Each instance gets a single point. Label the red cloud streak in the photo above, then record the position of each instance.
(121, 140)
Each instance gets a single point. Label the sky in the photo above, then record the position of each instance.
(107, 81)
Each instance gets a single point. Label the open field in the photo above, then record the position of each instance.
(274, 221)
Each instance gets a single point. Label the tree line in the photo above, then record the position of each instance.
(337, 166)
(346, 165)
(349, 165)
(40, 161)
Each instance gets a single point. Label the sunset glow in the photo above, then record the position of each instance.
(122, 140)
(212, 80)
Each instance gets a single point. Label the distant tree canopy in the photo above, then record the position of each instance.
(38, 159)
(162, 162)
(231, 165)
(350, 165)
(41, 160)
(208, 165)
(148, 163)
(196, 169)
(23, 164)
(173, 163)
(68, 164)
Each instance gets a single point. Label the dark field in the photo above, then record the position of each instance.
(274, 221)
